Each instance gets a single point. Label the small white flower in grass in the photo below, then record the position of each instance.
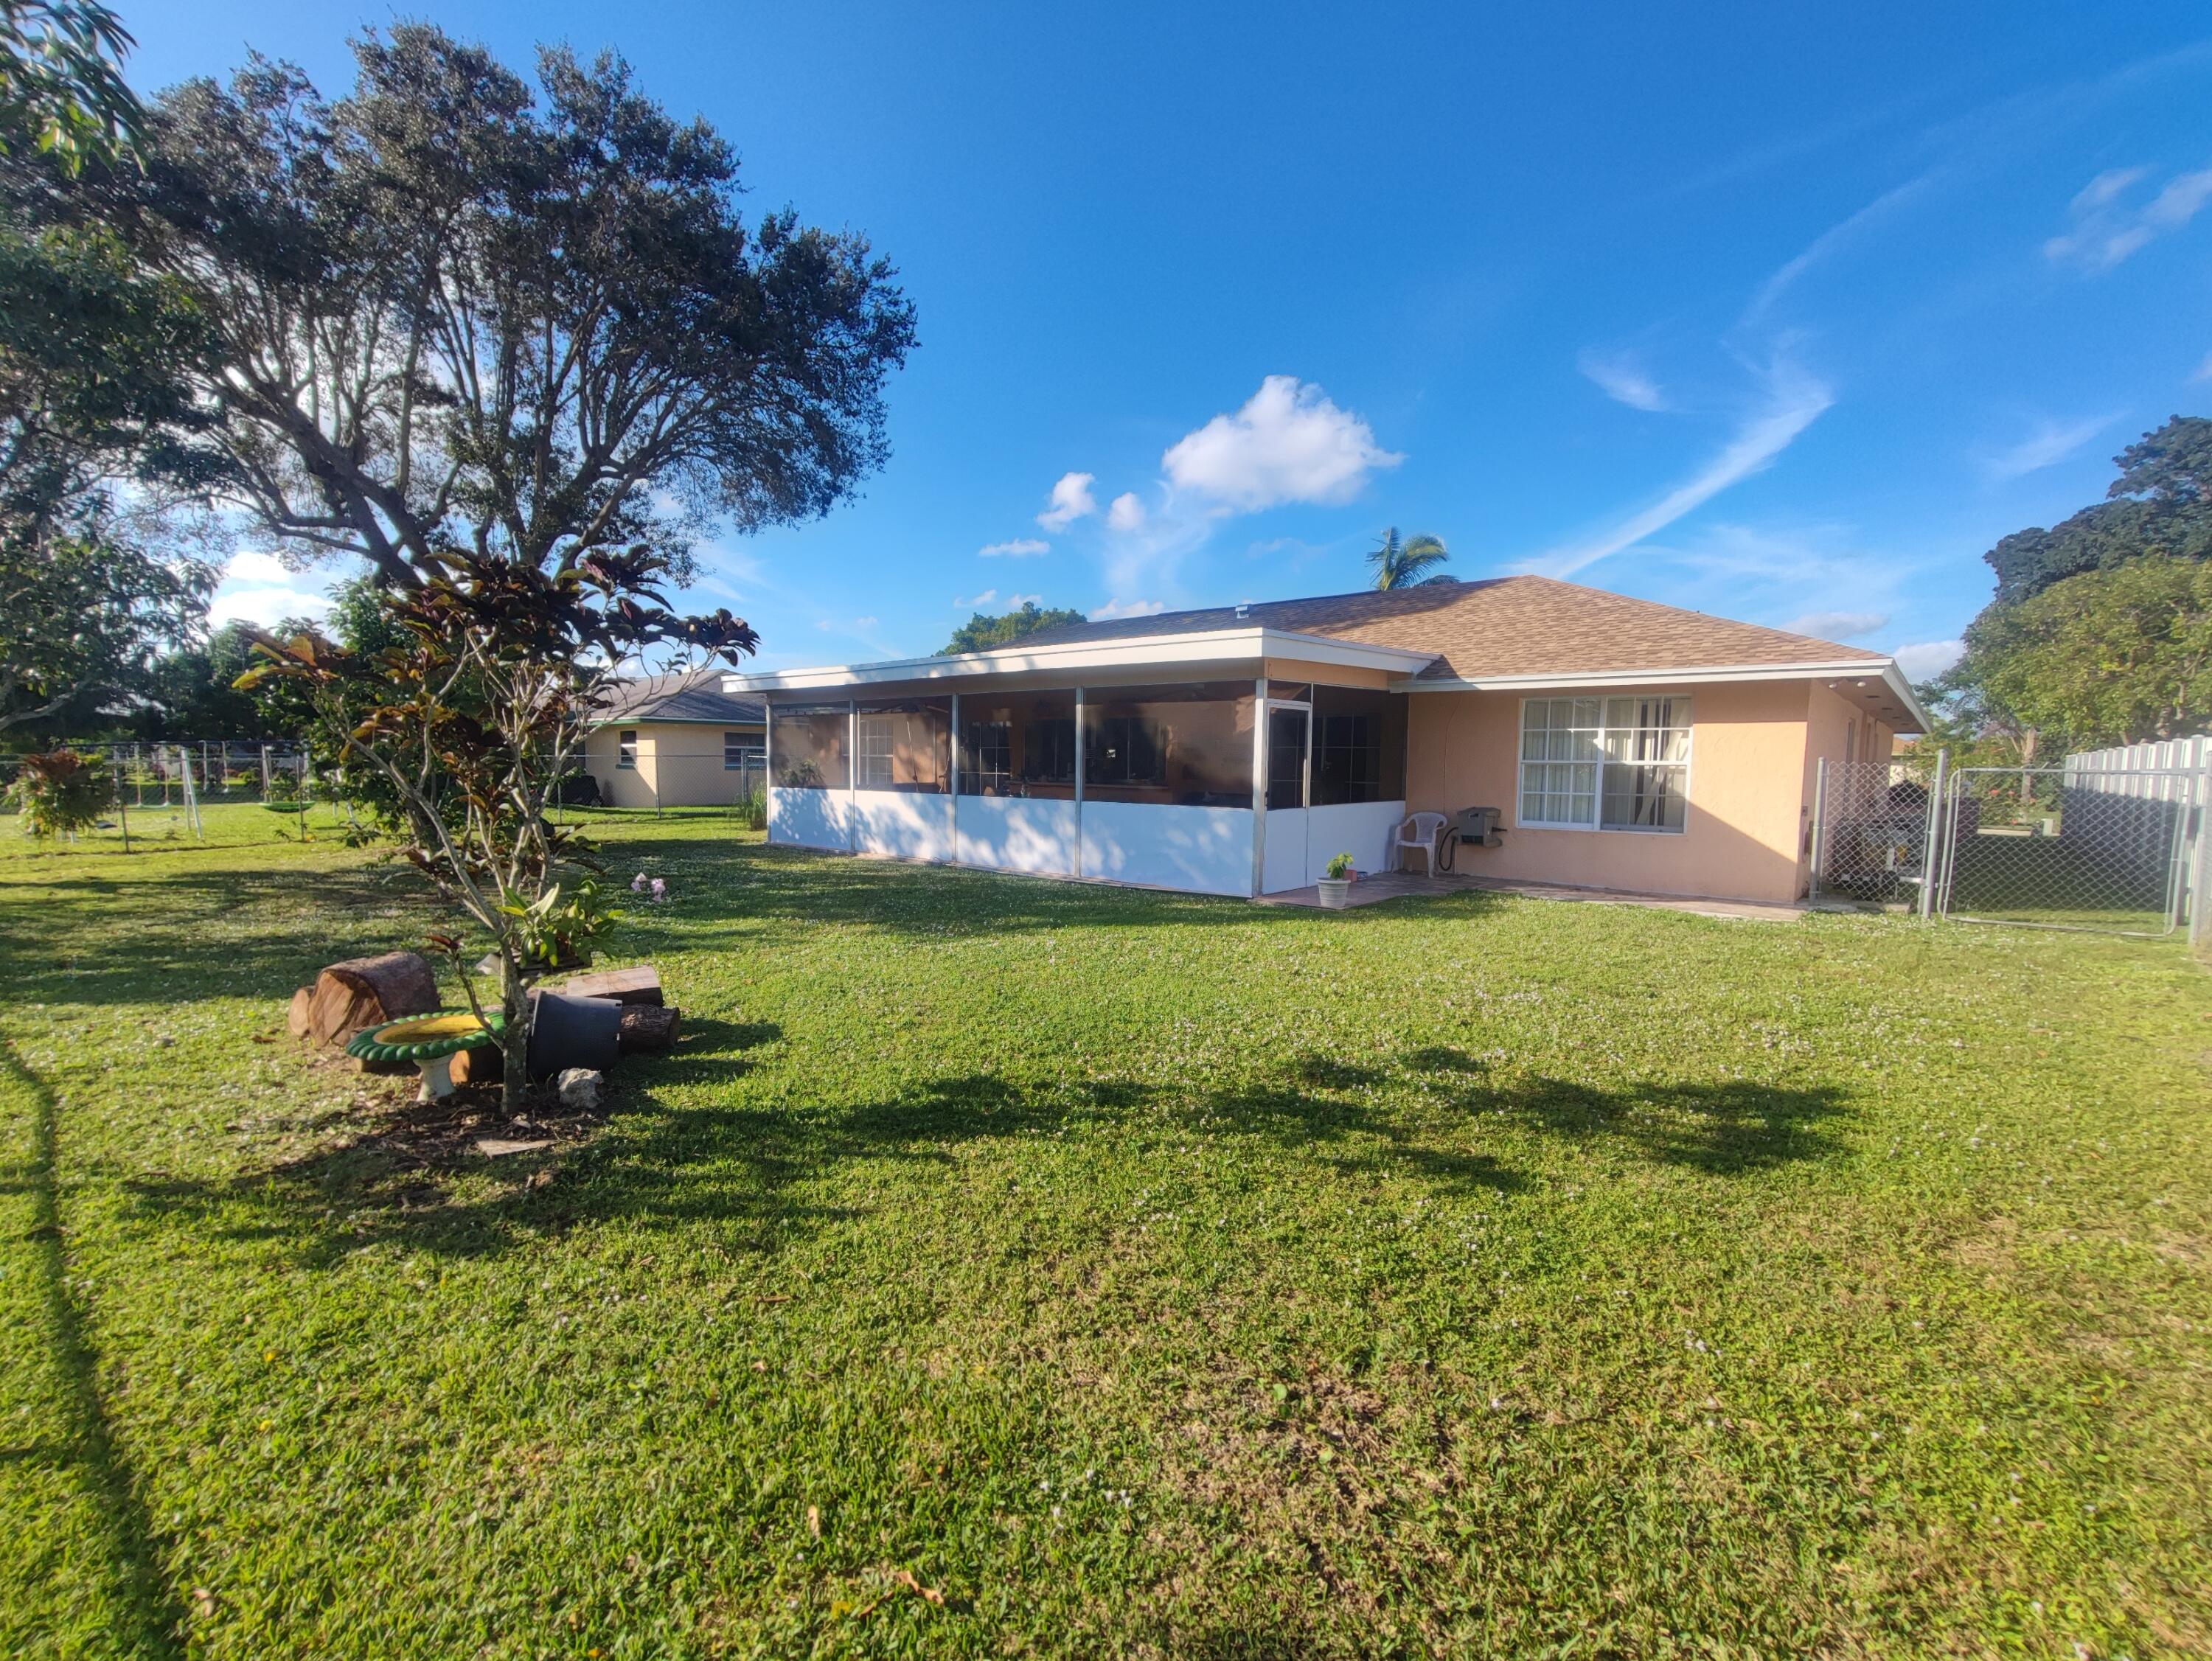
(637, 883)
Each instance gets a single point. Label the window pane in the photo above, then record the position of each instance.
(1640, 797)
(1360, 746)
(1190, 745)
(625, 750)
(740, 750)
(809, 743)
(1019, 744)
(906, 744)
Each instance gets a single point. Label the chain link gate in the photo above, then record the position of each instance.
(2112, 852)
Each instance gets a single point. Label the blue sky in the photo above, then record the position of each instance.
(1777, 315)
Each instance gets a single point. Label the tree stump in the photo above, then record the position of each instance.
(367, 991)
(646, 1027)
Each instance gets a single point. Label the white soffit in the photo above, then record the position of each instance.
(1077, 656)
(1844, 671)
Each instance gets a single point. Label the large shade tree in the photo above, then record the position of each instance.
(91, 347)
(513, 347)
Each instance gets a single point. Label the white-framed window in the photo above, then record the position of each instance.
(741, 753)
(878, 737)
(1617, 763)
(626, 748)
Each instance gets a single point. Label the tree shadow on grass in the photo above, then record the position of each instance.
(151, 1614)
(746, 1168)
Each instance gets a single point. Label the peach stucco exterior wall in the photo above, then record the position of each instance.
(1744, 832)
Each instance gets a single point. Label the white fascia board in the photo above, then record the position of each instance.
(1076, 656)
(1856, 669)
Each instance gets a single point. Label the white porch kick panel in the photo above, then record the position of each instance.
(905, 825)
(1361, 829)
(1200, 850)
(808, 818)
(1283, 865)
(1017, 834)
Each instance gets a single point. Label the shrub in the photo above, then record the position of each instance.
(60, 793)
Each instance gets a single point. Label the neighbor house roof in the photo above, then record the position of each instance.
(1500, 625)
(694, 695)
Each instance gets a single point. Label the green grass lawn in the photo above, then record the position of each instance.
(1140, 1275)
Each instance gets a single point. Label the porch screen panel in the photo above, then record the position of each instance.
(1360, 746)
(1017, 744)
(905, 745)
(1188, 745)
(809, 742)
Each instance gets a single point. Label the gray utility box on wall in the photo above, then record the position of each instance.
(1479, 826)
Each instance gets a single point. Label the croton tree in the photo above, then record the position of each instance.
(498, 672)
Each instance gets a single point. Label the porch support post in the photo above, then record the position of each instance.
(1260, 781)
(954, 859)
(852, 775)
(768, 761)
(1820, 823)
(1934, 831)
(1078, 781)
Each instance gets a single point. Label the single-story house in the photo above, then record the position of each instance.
(676, 741)
(1625, 744)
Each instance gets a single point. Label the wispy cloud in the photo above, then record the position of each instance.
(1071, 500)
(2104, 229)
(1923, 660)
(1824, 246)
(1125, 512)
(2051, 443)
(982, 599)
(1128, 608)
(1017, 601)
(1621, 377)
(1288, 443)
(1837, 624)
(1021, 548)
(1793, 401)
(2203, 369)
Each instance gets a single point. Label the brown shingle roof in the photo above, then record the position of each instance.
(1499, 626)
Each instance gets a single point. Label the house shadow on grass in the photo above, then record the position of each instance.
(747, 1168)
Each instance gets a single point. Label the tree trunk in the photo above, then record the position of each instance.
(367, 991)
(514, 1042)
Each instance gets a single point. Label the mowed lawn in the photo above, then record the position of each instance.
(1131, 1274)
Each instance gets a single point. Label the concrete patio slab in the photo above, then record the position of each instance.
(1374, 889)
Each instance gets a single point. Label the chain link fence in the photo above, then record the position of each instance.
(2110, 841)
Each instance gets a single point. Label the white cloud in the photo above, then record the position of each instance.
(1795, 401)
(2050, 444)
(1622, 379)
(251, 566)
(1017, 601)
(1837, 624)
(982, 599)
(2203, 369)
(1021, 548)
(266, 606)
(1128, 608)
(1125, 512)
(2103, 229)
(864, 622)
(1924, 660)
(1071, 500)
(1288, 444)
(260, 588)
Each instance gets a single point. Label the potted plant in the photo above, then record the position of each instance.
(1335, 886)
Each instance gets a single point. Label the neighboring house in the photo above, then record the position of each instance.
(1627, 745)
(676, 741)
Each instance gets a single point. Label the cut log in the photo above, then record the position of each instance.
(297, 1019)
(646, 1027)
(367, 991)
(639, 985)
